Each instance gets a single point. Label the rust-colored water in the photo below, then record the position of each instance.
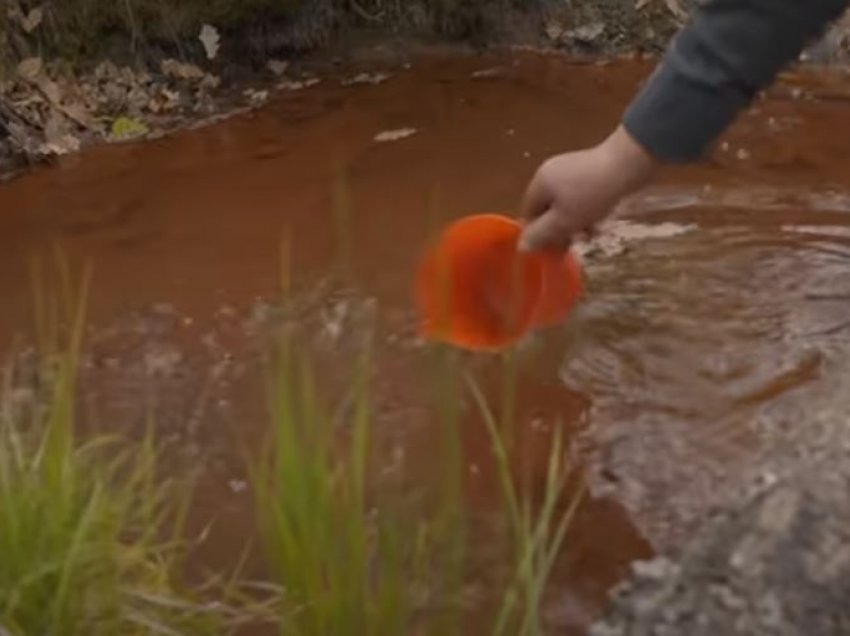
(682, 343)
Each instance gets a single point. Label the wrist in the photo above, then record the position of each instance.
(629, 165)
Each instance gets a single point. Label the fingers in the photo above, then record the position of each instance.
(547, 232)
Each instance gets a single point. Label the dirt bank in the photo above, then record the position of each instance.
(78, 72)
(140, 30)
(73, 73)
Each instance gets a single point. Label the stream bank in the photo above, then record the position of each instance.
(73, 74)
(701, 382)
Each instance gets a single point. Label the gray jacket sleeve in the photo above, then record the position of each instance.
(730, 50)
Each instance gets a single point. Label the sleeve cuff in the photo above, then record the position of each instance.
(676, 117)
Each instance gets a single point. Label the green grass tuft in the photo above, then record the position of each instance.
(346, 565)
(87, 529)
(537, 534)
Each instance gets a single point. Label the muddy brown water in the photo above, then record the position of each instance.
(686, 347)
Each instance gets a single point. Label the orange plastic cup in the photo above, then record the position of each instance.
(562, 287)
(476, 291)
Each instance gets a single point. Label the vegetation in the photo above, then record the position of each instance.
(91, 531)
(88, 533)
(345, 569)
(76, 29)
(351, 562)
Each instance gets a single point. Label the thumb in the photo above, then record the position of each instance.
(547, 232)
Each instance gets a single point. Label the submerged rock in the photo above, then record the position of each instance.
(777, 562)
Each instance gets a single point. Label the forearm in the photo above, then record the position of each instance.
(730, 50)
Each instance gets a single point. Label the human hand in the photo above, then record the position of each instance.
(572, 192)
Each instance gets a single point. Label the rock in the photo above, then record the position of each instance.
(775, 562)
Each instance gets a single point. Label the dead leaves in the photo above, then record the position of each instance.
(256, 97)
(366, 78)
(180, 70)
(554, 30)
(395, 135)
(59, 136)
(47, 112)
(128, 128)
(29, 21)
(587, 33)
(30, 68)
(49, 120)
(674, 7)
(211, 40)
(51, 113)
(297, 85)
(277, 67)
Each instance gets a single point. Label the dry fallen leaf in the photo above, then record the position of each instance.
(296, 85)
(32, 20)
(554, 30)
(256, 96)
(30, 68)
(210, 81)
(366, 78)
(488, 73)
(277, 67)
(587, 33)
(51, 90)
(180, 70)
(78, 112)
(211, 40)
(106, 71)
(163, 101)
(128, 128)
(675, 7)
(395, 135)
(170, 99)
(137, 99)
(57, 137)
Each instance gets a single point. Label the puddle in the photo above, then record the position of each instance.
(714, 311)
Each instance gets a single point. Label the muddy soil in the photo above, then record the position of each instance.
(713, 329)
